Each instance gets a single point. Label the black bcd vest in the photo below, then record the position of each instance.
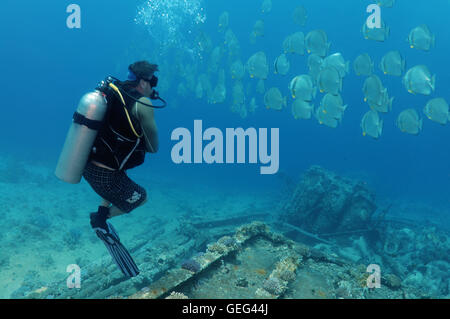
(116, 145)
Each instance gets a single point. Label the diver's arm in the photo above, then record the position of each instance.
(146, 117)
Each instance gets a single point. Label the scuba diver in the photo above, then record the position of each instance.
(112, 130)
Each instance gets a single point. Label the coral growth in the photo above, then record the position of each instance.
(274, 286)
(286, 267)
(253, 229)
(227, 241)
(217, 248)
(279, 279)
(177, 295)
(224, 245)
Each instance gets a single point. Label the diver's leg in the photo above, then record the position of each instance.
(119, 193)
(105, 203)
(115, 211)
(125, 195)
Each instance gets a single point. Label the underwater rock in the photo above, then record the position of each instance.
(242, 282)
(344, 290)
(253, 229)
(392, 281)
(324, 202)
(414, 279)
(302, 250)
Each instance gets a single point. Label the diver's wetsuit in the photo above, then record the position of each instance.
(118, 147)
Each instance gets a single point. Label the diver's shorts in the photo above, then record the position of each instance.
(115, 186)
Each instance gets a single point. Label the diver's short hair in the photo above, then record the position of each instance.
(143, 69)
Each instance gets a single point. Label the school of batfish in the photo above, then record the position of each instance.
(317, 92)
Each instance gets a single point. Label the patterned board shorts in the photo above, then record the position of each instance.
(115, 186)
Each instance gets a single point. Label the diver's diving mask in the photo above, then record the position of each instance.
(153, 81)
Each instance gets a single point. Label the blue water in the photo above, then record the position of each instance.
(46, 68)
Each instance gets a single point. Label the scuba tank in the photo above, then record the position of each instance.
(87, 120)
